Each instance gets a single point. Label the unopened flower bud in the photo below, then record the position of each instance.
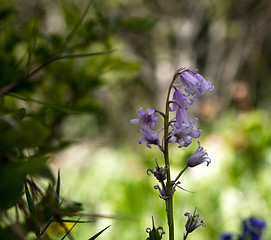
(160, 173)
(155, 233)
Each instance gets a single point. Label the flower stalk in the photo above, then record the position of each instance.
(180, 174)
(179, 129)
(169, 201)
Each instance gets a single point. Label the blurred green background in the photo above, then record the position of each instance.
(76, 109)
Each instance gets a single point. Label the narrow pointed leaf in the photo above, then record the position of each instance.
(70, 36)
(77, 221)
(32, 210)
(70, 229)
(57, 190)
(154, 235)
(33, 40)
(98, 234)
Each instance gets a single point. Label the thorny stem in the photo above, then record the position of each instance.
(169, 201)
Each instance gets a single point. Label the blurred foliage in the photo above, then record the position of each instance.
(54, 58)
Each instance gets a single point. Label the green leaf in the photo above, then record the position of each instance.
(70, 11)
(57, 190)
(33, 39)
(4, 110)
(28, 134)
(69, 209)
(98, 234)
(12, 177)
(32, 210)
(27, 99)
(11, 190)
(46, 174)
(75, 221)
(19, 114)
(138, 24)
(70, 229)
(7, 233)
(79, 22)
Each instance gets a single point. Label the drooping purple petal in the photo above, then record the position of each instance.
(162, 192)
(182, 130)
(180, 100)
(194, 84)
(149, 137)
(199, 156)
(193, 221)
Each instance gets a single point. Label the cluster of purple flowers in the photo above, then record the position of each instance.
(185, 87)
(252, 230)
(191, 85)
(148, 120)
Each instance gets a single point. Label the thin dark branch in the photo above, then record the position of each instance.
(46, 226)
(68, 232)
(8, 88)
(64, 57)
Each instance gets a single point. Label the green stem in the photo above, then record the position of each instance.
(185, 236)
(169, 202)
(179, 175)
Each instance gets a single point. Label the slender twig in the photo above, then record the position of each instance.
(67, 233)
(8, 88)
(63, 57)
(62, 224)
(46, 226)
